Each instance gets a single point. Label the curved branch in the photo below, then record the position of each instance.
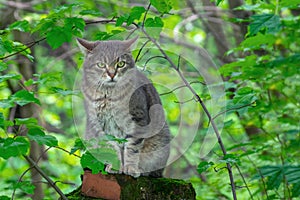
(198, 99)
(141, 49)
(45, 176)
(152, 59)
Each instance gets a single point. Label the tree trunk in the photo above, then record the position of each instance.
(26, 68)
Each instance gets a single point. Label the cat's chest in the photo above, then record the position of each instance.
(113, 112)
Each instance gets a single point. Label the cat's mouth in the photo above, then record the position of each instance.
(111, 81)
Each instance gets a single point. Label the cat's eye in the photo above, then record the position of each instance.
(121, 64)
(101, 65)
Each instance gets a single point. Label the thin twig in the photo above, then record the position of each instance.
(153, 57)
(217, 170)
(181, 86)
(145, 16)
(19, 180)
(107, 21)
(140, 50)
(22, 50)
(178, 62)
(45, 176)
(244, 181)
(183, 102)
(236, 108)
(104, 21)
(197, 97)
(57, 147)
(256, 168)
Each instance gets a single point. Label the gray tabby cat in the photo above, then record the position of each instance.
(120, 101)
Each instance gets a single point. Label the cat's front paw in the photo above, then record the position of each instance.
(110, 170)
(132, 170)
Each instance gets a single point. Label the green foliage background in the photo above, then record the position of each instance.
(259, 69)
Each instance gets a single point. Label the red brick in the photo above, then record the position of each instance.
(100, 186)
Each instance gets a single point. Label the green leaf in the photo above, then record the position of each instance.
(163, 6)
(230, 158)
(230, 68)
(66, 8)
(6, 103)
(106, 154)
(296, 190)
(64, 92)
(89, 161)
(44, 25)
(9, 77)
(135, 14)
(91, 12)
(74, 23)
(154, 26)
(270, 22)
(257, 41)
(49, 78)
(203, 166)
(4, 197)
(6, 46)
(11, 147)
(3, 65)
(115, 139)
(25, 186)
(40, 137)
(244, 91)
(274, 175)
(280, 61)
(57, 36)
(23, 26)
(121, 19)
(77, 146)
(24, 97)
(292, 174)
(218, 2)
(289, 3)
(28, 122)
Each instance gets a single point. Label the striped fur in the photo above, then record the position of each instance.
(121, 101)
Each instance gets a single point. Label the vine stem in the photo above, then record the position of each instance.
(45, 176)
(198, 98)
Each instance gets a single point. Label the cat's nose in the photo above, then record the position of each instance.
(111, 75)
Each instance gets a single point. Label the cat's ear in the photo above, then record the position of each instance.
(129, 44)
(86, 46)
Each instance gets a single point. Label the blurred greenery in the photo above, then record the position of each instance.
(241, 57)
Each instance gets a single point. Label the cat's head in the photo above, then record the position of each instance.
(107, 61)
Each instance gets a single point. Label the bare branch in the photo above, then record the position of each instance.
(42, 173)
(197, 97)
(243, 178)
